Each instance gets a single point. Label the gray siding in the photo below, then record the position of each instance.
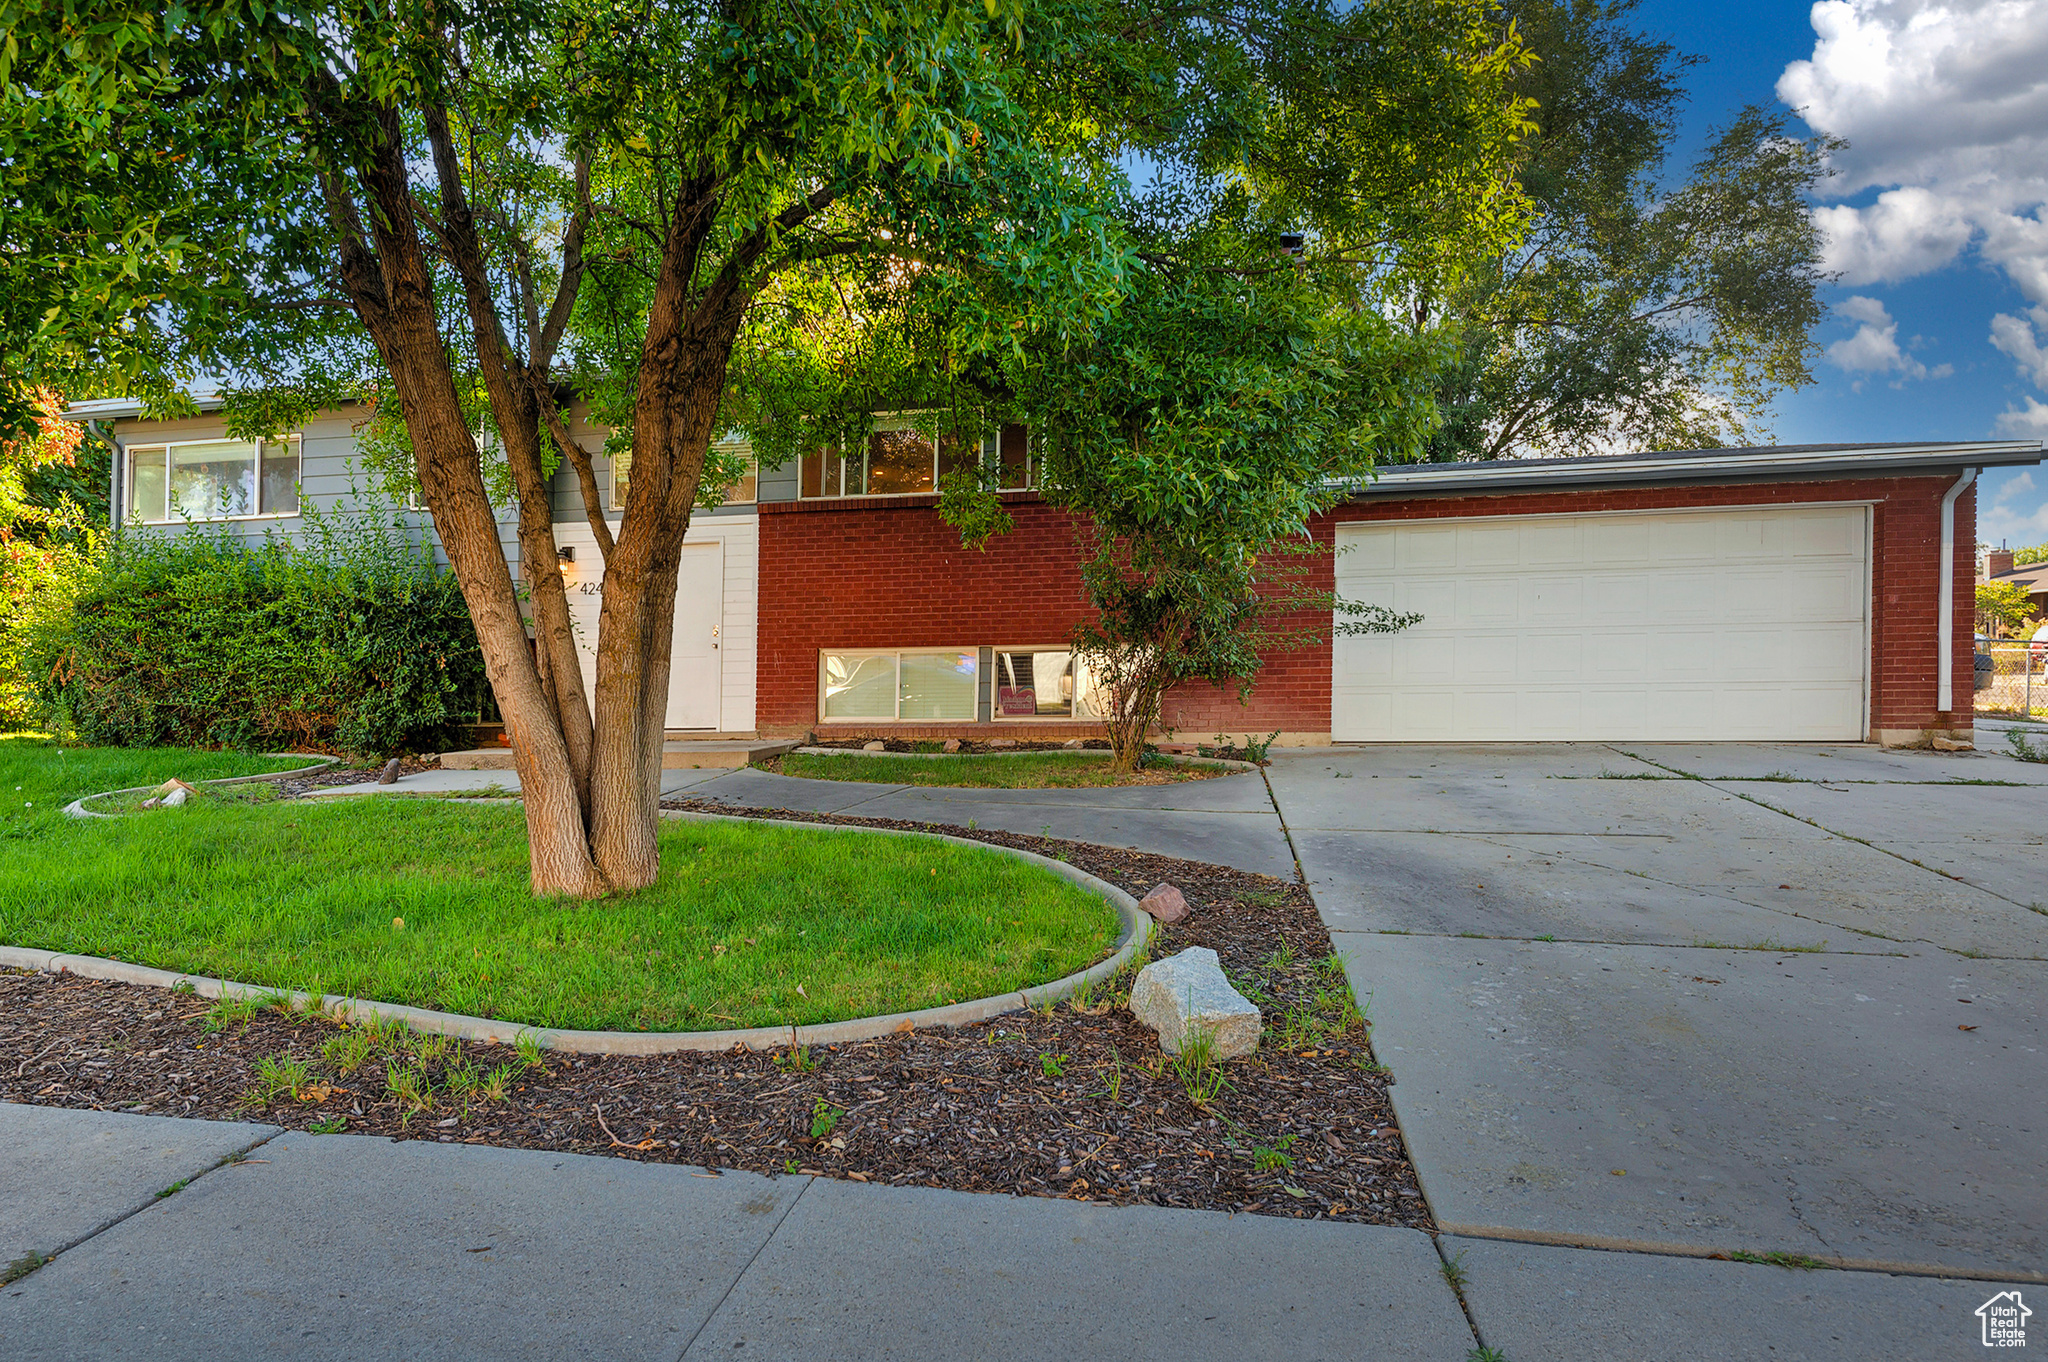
(778, 483)
(330, 482)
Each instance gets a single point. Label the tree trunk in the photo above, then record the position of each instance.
(392, 289)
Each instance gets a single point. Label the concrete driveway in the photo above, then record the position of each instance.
(1771, 999)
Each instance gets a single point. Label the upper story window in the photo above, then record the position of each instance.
(900, 459)
(213, 480)
(745, 492)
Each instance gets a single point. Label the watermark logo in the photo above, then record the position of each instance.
(2005, 1320)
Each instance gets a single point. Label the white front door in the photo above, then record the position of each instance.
(1687, 626)
(696, 652)
(693, 690)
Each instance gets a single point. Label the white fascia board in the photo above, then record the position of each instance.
(1404, 479)
(129, 408)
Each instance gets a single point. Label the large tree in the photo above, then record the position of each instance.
(417, 195)
(1637, 310)
(1304, 171)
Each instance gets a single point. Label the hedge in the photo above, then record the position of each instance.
(351, 638)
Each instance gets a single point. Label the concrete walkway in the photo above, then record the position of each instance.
(1227, 820)
(356, 1248)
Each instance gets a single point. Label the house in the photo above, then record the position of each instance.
(1796, 593)
(1998, 567)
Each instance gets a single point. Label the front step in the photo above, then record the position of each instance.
(702, 754)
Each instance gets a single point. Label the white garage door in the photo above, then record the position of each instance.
(1697, 625)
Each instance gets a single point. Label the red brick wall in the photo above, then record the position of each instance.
(855, 574)
(888, 573)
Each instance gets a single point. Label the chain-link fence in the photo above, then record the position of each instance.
(2012, 678)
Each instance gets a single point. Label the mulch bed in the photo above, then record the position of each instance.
(1077, 1103)
(354, 775)
(968, 746)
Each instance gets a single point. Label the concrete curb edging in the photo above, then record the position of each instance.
(1137, 930)
(76, 808)
(1177, 758)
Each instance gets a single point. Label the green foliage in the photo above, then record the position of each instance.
(1663, 317)
(350, 638)
(2037, 553)
(2004, 605)
(2024, 747)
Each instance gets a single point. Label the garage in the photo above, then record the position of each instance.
(1734, 623)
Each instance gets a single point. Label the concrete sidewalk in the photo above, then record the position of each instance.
(357, 1248)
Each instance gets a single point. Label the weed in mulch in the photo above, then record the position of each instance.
(1073, 1101)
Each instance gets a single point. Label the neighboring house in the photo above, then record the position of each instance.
(1998, 567)
(1796, 593)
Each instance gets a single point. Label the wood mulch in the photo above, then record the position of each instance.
(968, 746)
(1076, 1103)
(353, 775)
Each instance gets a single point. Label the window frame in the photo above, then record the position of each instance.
(989, 442)
(293, 440)
(995, 714)
(896, 690)
(615, 499)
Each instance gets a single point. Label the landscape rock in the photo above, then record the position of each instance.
(390, 773)
(1075, 742)
(1942, 744)
(874, 747)
(1165, 903)
(1003, 742)
(170, 795)
(1188, 993)
(952, 745)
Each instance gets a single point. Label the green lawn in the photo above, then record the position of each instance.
(743, 917)
(38, 777)
(1034, 771)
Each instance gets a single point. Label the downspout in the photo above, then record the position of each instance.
(1945, 643)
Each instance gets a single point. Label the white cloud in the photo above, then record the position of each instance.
(1945, 106)
(1906, 232)
(2015, 513)
(1874, 347)
(2015, 336)
(2025, 423)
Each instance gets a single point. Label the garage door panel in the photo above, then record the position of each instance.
(1421, 549)
(1490, 600)
(1693, 595)
(1691, 625)
(1616, 596)
(1551, 601)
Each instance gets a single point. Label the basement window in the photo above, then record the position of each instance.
(910, 686)
(1044, 683)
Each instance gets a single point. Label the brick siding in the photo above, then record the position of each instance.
(888, 573)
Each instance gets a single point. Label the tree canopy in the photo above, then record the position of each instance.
(457, 210)
(1635, 311)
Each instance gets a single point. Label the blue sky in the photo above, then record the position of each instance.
(1939, 327)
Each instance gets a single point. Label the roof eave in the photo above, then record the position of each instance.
(1904, 460)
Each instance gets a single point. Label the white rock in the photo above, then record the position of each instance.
(876, 746)
(1184, 992)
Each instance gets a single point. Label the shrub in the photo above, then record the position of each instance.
(350, 638)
